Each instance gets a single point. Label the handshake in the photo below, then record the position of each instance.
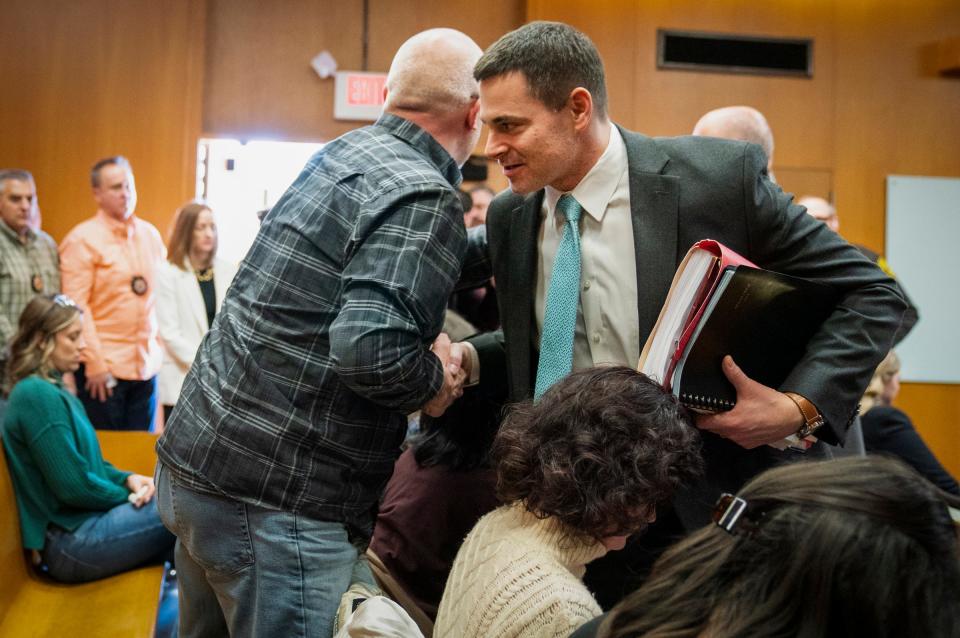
(456, 370)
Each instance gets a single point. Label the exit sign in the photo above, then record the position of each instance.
(358, 96)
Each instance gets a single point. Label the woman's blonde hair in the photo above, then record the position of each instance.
(881, 377)
(34, 341)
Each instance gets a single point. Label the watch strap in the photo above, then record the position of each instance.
(812, 419)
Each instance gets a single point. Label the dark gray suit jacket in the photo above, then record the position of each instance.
(690, 188)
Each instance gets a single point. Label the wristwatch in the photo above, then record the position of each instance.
(812, 419)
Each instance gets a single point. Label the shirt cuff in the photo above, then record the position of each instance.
(471, 352)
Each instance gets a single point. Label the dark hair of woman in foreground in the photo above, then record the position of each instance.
(852, 547)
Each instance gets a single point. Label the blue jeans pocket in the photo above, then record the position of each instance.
(213, 529)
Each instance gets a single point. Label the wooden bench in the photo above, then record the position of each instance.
(122, 605)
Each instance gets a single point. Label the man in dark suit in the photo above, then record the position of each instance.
(639, 204)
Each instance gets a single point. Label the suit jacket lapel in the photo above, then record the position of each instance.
(191, 288)
(523, 245)
(654, 204)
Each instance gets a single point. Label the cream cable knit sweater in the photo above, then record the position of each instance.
(517, 576)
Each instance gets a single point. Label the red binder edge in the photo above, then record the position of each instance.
(725, 257)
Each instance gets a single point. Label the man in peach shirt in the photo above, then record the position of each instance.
(108, 266)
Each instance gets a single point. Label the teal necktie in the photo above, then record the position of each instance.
(563, 296)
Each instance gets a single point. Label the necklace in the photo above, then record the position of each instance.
(205, 274)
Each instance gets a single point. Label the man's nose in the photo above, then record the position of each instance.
(494, 147)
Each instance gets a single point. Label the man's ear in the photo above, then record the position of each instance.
(580, 104)
(473, 121)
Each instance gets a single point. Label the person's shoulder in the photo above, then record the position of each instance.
(45, 239)
(708, 158)
(84, 230)
(144, 226)
(33, 388)
(705, 148)
(885, 413)
(370, 164)
(169, 271)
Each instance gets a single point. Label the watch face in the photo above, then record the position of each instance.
(810, 427)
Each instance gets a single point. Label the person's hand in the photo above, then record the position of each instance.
(141, 489)
(762, 415)
(100, 386)
(451, 358)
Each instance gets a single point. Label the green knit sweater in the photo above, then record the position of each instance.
(59, 475)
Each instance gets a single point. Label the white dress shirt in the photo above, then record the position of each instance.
(607, 329)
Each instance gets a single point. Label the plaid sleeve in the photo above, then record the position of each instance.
(400, 269)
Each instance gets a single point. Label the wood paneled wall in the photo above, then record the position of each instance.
(895, 115)
(261, 85)
(84, 80)
(875, 106)
(96, 77)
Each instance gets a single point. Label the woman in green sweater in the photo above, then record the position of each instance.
(82, 518)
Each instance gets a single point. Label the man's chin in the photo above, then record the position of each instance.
(518, 187)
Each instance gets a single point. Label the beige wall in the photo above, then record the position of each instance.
(94, 77)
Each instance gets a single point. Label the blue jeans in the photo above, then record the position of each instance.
(115, 541)
(132, 406)
(246, 570)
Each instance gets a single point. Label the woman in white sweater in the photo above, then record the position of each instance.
(190, 289)
(580, 471)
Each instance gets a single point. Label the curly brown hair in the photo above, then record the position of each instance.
(598, 451)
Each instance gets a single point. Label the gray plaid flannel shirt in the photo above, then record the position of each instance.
(19, 264)
(298, 396)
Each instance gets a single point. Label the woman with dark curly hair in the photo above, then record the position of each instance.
(856, 547)
(580, 471)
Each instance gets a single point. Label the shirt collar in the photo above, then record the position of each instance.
(598, 186)
(9, 232)
(423, 142)
(123, 228)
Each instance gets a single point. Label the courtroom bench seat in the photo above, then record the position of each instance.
(122, 605)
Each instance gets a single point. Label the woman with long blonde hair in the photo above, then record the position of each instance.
(81, 518)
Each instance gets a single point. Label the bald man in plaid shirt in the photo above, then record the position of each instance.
(292, 415)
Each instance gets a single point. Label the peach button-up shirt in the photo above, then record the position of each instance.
(99, 259)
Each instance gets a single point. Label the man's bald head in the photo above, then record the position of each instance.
(431, 84)
(821, 209)
(433, 72)
(742, 123)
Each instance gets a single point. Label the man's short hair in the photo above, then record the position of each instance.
(554, 58)
(18, 174)
(116, 160)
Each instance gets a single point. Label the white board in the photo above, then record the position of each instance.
(923, 249)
